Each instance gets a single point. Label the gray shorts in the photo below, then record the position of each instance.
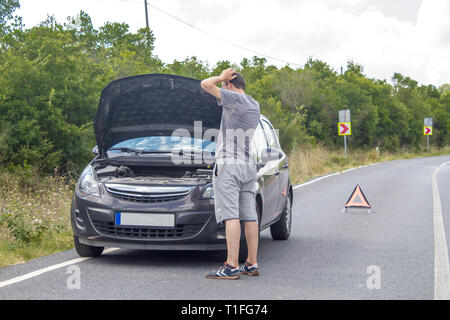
(235, 188)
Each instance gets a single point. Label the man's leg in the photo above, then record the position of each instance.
(251, 236)
(249, 216)
(227, 209)
(233, 236)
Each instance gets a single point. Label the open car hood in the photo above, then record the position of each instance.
(152, 105)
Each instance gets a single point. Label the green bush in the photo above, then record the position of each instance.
(33, 206)
(22, 227)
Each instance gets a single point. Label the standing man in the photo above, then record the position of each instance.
(234, 177)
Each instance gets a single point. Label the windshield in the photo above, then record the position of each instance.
(164, 143)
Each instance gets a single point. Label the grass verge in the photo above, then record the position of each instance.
(308, 162)
(34, 215)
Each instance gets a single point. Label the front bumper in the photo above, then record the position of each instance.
(93, 221)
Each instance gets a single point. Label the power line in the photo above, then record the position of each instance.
(216, 37)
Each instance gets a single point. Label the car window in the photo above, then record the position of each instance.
(259, 142)
(270, 134)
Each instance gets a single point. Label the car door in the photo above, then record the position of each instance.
(280, 169)
(268, 175)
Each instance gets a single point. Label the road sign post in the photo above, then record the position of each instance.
(344, 127)
(345, 147)
(428, 130)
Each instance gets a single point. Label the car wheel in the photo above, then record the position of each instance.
(243, 248)
(282, 229)
(84, 250)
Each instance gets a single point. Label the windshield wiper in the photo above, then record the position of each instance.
(194, 151)
(138, 151)
(129, 150)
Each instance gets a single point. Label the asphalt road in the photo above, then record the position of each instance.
(397, 252)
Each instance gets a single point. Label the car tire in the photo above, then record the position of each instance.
(84, 250)
(282, 229)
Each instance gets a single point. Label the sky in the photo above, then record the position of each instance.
(411, 37)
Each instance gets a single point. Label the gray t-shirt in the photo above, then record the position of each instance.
(240, 117)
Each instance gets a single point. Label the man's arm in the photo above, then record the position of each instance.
(210, 84)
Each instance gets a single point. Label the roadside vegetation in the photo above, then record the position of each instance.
(52, 74)
(34, 214)
(309, 162)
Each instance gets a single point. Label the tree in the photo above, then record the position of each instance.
(445, 87)
(52, 75)
(189, 67)
(51, 79)
(7, 8)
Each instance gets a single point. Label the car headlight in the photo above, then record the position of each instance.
(87, 184)
(208, 192)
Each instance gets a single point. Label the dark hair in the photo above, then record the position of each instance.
(239, 81)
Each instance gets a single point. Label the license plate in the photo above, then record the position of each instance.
(144, 219)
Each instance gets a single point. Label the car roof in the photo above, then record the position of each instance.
(263, 117)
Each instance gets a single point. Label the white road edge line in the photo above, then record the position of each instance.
(315, 180)
(48, 269)
(441, 263)
(332, 174)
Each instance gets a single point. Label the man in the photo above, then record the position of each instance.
(234, 177)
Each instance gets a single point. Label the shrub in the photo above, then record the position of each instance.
(32, 206)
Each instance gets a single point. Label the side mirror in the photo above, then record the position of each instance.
(271, 154)
(95, 151)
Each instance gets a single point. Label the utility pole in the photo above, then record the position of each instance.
(146, 13)
(147, 53)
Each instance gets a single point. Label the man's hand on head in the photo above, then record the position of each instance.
(210, 84)
(227, 75)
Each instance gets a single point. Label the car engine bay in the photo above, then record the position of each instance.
(154, 175)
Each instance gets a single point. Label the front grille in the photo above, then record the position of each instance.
(144, 199)
(148, 194)
(179, 232)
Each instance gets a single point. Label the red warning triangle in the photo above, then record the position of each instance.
(357, 199)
